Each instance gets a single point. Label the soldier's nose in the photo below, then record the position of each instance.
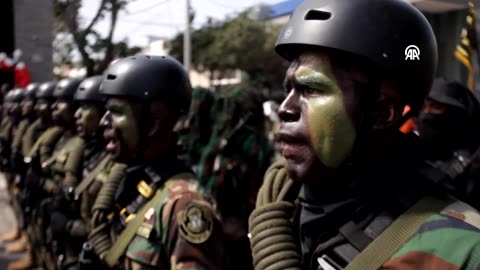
(289, 110)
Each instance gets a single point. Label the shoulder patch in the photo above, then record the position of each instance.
(195, 222)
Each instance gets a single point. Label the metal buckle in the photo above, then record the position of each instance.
(326, 263)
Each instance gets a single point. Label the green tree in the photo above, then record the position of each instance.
(237, 43)
(96, 51)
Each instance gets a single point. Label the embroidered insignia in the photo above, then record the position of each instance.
(195, 223)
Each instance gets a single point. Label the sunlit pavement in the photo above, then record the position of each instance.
(7, 223)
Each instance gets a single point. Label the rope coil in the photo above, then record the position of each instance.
(103, 206)
(271, 226)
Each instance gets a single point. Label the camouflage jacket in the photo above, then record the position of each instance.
(449, 240)
(181, 231)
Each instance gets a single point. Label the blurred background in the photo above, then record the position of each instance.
(229, 43)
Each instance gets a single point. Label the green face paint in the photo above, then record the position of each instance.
(332, 132)
(62, 113)
(88, 120)
(122, 129)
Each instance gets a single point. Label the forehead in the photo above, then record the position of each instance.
(333, 64)
(117, 101)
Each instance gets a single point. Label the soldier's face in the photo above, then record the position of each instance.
(121, 129)
(87, 120)
(42, 108)
(317, 131)
(14, 109)
(62, 113)
(27, 106)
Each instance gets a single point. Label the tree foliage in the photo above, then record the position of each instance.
(96, 52)
(237, 43)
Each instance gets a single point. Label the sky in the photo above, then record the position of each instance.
(162, 18)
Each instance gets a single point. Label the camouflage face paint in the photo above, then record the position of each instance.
(62, 113)
(332, 132)
(88, 120)
(121, 129)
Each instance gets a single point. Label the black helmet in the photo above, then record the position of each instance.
(89, 90)
(31, 90)
(15, 95)
(10, 95)
(66, 88)
(45, 90)
(147, 77)
(392, 34)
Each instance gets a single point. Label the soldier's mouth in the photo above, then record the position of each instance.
(112, 145)
(292, 146)
(79, 126)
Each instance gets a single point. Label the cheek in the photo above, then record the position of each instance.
(128, 130)
(90, 117)
(332, 132)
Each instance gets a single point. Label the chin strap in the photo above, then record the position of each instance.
(271, 226)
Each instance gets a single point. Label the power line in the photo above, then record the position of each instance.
(176, 24)
(147, 8)
(225, 6)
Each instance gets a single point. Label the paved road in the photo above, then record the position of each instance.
(7, 223)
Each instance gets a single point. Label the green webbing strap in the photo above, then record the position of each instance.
(397, 234)
(91, 176)
(67, 147)
(36, 145)
(122, 242)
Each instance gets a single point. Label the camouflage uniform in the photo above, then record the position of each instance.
(151, 207)
(180, 231)
(233, 164)
(196, 128)
(449, 240)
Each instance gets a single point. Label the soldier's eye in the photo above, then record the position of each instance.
(310, 91)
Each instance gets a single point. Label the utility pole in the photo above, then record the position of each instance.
(186, 38)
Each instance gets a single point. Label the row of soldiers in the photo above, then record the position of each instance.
(351, 192)
(93, 168)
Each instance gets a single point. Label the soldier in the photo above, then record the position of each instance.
(29, 197)
(360, 202)
(195, 129)
(27, 117)
(64, 163)
(43, 178)
(450, 137)
(70, 220)
(232, 167)
(7, 133)
(150, 202)
(8, 126)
